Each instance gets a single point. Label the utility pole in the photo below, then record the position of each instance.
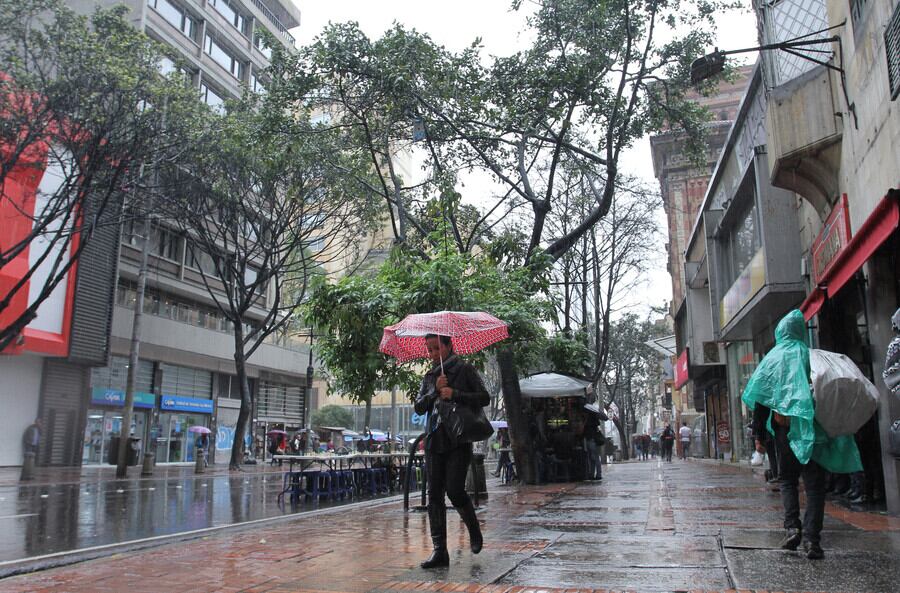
(134, 351)
(393, 443)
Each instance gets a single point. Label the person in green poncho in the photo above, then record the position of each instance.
(781, 383)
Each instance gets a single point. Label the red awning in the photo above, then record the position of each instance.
(877, 228)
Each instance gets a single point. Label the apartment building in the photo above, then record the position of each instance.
(186, 374)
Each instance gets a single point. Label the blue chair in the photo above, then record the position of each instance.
(318, 485)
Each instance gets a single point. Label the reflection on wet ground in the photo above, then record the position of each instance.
(43, 519)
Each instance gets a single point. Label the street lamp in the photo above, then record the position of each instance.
(714, 63)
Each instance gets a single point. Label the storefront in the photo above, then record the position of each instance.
(175, 442)
(104, 422)
(856, 289)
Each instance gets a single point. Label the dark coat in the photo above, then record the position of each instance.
(468, 390)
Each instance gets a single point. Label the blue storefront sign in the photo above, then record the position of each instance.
(177, 403)
(116, 397)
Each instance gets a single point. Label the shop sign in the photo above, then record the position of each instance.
(723, 433)
(177, 403)
(116, 397)
(681, 369)
(751, 280)
(832, 239)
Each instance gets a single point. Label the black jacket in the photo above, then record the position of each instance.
(468, 390)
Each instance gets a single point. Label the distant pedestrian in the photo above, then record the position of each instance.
(667, 438)
(503, 446)
(31, 438)
(781, 384)
(684, 434)
(450, 383)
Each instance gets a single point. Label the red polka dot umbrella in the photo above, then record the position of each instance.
(469, 332)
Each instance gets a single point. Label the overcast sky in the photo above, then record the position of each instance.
(456, 24)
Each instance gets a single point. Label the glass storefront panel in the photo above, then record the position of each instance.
(742, 361)
(175, 443)
(102, 426)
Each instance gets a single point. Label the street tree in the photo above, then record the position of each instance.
(632, 368)
(598, 76)
(263, 211)
(332, 415)
(80, 116)
(351, 313)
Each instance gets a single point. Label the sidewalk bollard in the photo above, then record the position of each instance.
(147, 468)
(27, 467)
(198, 465)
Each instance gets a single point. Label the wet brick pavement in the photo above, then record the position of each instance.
(685, 526)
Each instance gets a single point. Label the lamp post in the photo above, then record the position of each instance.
(309, 386)
(714, 63)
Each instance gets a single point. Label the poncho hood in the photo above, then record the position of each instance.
(781, 383)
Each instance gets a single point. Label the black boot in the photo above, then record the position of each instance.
(437, 523)
(469, 517)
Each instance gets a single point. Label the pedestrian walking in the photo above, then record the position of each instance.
(667, 438)
(503, 446)
(781, 383)
(451, 383)
(31, 438)
(684, 433)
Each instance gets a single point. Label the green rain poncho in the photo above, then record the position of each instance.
(781, 383)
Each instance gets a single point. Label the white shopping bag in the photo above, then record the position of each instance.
(845, 398)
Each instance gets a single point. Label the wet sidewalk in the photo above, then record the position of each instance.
(648, 526)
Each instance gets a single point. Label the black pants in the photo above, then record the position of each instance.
(447, 475)
(814, 483)
(667, 450)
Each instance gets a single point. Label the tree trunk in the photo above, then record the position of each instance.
(240, 367)
(134, 354)
(368, 421)
(623, 437)
(515, 417)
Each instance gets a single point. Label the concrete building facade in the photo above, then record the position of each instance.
(186, 374)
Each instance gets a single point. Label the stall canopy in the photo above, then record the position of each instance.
(554, 385)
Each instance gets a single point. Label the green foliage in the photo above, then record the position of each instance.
(333, 416)
(569, 354)
(351, 314)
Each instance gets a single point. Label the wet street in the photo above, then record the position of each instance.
(86, 511)
(686, 526)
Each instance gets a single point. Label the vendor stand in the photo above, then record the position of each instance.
(555, 410)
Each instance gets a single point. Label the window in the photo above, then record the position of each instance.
(185, 381)
(742, 242)
(165, 243)
(212, 98)
(255, 85)
(223, 57)
(316, 244)
(262, 46)
(167, 66)
(227, 387)
(231, 14)
(200, 260)
(177, 16)
(892, 51)
(115, 376)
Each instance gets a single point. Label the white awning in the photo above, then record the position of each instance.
(554, 385)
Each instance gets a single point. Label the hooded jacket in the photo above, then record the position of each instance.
(781, 383)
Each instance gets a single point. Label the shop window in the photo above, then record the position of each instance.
(892, 51)
(186, 381)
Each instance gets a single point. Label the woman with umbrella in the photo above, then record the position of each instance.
(450, 381)
(453, 395)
